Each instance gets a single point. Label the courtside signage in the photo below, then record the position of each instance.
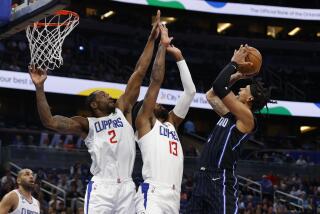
(210, 6)
(73, 86)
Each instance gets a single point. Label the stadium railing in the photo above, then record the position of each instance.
(289, 199)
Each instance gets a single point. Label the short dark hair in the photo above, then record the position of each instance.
(261, 95)
(90, 99)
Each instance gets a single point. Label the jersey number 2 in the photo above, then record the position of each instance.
(173, 148)
(112, 135)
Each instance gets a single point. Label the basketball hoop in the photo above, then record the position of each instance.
(46, 38)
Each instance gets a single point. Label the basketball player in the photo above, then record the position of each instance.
(158, 140)
(216, 182)
(20, 200)
(108, 135)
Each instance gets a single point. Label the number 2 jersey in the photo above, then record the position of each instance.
(162, 155)
(111, 144)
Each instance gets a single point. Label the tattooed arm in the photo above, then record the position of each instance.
(75, 125)
(215, 102)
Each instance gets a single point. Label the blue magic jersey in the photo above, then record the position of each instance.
(222, 149)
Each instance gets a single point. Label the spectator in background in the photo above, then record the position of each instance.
(189, 127)
(272, 178)
(67, 139)
(80, 143)
(8, 178)
(288, 158)
(63, 182)
(41, 174)
(309, 161)
(30, 140)
(266, 184)
(72, 196)
(301, 161)
(76, 169)
(55, 141)
(44, 140)
(6, 186)
(18, 141)
(183, 201)
(75, 181)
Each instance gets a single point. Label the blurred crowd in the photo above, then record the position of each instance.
(73, 181)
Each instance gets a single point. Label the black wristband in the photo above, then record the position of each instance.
(235, 65)
(220, 85)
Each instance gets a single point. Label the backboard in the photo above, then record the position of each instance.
(15, 15)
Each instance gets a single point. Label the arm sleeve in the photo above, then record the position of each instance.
(220, 85)
(189, 90)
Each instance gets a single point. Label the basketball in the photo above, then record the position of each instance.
(255, 57)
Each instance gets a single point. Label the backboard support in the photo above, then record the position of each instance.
(29, 12)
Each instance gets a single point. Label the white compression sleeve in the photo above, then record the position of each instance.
(189, 90)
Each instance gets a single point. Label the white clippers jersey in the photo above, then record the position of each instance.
(24, 207)
(111, 144)
(162, 155)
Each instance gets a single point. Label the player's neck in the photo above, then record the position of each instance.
(162, 120)
(101, 114)
(25, 193)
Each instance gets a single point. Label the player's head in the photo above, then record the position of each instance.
(26, 180)
(161, 112)
(100, 101)
(255, 95)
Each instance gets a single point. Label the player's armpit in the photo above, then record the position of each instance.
(216, 103)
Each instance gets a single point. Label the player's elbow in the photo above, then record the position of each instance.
(192, 92)
(49, 123)
(208, 95)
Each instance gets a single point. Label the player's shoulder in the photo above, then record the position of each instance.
(36, 201)
(11, 197)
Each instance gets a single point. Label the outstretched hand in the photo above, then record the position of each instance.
(37, 75)
(156, 27)
(239, 57)
(165, 40)
(175, 52)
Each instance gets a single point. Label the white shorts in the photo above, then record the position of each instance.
(105, 196)
(157, 199)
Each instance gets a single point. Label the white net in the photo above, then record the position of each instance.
(46, 39)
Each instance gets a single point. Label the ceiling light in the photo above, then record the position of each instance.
(107, 14)
(318, 34)
(304, 129)
(223, 26)
(294, 31)
(273, 31)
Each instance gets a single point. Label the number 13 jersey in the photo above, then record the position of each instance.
(162, 155)
(111, 144)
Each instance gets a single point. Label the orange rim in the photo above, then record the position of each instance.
(60, 13)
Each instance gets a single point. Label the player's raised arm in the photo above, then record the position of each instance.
(146, 115)
(215, 102)
(131, 94)
(220, 87)
(76, 125)
(181, 109)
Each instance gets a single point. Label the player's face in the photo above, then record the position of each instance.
(161, 112)
(105, 101)
(27, 180)
(244, 94)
